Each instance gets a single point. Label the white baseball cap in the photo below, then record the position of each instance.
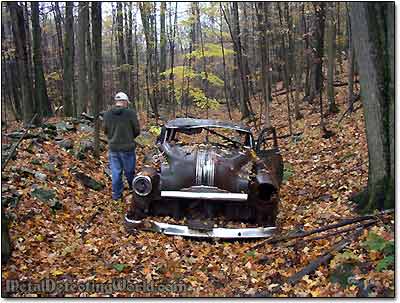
(121, 96)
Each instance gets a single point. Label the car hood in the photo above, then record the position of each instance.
(185, 166)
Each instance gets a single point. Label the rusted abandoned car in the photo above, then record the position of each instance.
(208, 169)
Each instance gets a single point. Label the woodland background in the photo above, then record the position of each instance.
(322, 73)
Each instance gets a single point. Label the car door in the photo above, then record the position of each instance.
(267, 149)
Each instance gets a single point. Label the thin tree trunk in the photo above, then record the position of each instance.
(264, 65)
(89, 57)
(298, 47)
(121, 59)
(350, 66)
(172, 50)
(68, 60)
(339, 44)
(129, 46)
(286, 71)
(224, 66)
(97, 70)
(163, 53)
(137, 64)
(235, 35)
(58, 23)
(83, 17)
(331, 60)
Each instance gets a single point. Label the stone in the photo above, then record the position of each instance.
(66, 143)
(40, 176)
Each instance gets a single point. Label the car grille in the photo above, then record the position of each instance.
(205, 167)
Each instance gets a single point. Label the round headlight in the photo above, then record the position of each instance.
(142, 185)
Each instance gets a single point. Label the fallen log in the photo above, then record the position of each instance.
(350, 107)
(88, 181)
(89, 221)
(339, 84)
(337, 232)
(337, 247)
(304, 234)
(13, 150)
(280, 93)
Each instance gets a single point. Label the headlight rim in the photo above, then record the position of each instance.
(148, 192)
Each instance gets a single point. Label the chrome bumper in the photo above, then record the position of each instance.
(185, 231)
(204, 195)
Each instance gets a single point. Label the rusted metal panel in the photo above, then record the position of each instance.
(237, 182)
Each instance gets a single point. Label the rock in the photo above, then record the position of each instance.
(44, 195)
(10, 199)
(61, 126)
(86, 145)
(56, 160)
(88, 181)
(79, 155)
(71, 127)
(49, 126)
(47, 196)
(40, 176)
(23, 171)
(15, 135)
(35, 161)
(66, 143)
(86, 128)
(50, 167)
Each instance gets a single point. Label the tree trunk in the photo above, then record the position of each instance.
(331, 33)
(172, 51)
(83, 17)
(137, 64)
(224, 65)
(97, 70)
(350, 66)
(40, 83)
(307, 52)
(298, 69)
(68, 60)
(58, 23)
(129, 47)
(286, 71)
(237, 45)
(89, 66)
(163, 52)
(121, 59)
(339, 44)
(372, 26)
(262, 42)
(146, 12)
(317, 50)
(21, 54)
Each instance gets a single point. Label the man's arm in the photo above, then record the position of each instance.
(135, 125)
(105, 128)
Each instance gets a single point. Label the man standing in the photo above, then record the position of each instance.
(121, 127)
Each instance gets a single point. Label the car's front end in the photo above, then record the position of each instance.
(200, 184)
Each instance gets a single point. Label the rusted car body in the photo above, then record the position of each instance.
(226, 174)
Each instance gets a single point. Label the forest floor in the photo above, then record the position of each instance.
(84, 240)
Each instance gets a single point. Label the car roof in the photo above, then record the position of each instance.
(199, 123)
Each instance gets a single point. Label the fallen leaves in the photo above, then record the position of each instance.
(320, 176)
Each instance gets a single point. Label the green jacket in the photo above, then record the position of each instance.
(121, 126)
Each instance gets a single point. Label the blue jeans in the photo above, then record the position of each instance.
(121, 161)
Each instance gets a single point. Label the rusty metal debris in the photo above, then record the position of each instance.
(225, 173)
